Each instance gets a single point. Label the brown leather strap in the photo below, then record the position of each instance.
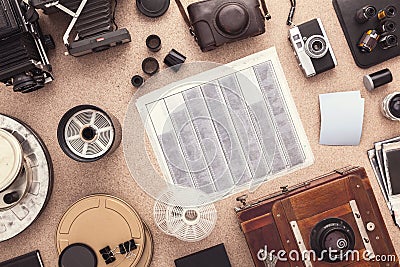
(265, 9)
(183, 13)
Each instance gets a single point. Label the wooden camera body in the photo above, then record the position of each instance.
(332, 220)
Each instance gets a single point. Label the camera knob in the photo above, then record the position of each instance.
(227, 24)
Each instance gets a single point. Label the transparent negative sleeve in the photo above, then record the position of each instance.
(232, 127)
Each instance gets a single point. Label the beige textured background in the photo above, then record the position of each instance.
(104, 80)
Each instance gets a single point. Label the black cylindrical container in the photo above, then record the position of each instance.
(391, 106)
(86, 133)
(387, 26)
(150, 66)
(153, 43)
(377, 79)
(366, 13)
(369, 41)
(387, 12)
(388, 41)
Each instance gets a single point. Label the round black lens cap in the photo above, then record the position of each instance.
(150, 65)
(152, 8)
(77, 255)
(137, 81)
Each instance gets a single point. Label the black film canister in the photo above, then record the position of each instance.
(137, 81)
(377, 79)
(387, 12)
(174, 59)
(369, 41)
(388, 41)
(366, 13)
(387, 26)
(153, 43)
(150, 66)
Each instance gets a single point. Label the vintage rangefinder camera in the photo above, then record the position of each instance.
(332, 220)
(23, 60)
(312, 48)
(216, 22)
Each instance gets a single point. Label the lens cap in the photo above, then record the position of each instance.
(77, 255)
(152, 8)
(150, 66)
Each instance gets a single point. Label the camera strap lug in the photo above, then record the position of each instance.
(267, 15)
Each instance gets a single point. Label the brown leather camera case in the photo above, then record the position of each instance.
(284, 221)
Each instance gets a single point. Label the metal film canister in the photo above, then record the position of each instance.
(377, 79)
(391, 106)
(87, 133)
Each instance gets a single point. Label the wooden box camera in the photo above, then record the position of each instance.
(333, 220)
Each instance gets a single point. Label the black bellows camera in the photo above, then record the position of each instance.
(93, 24)
(23, 60)
(216, 22)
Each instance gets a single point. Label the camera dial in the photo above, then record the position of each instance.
(232, 19)
(316, 46)
(331, 239)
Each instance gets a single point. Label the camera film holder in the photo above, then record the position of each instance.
(174, 59)
(153, 8)
(86, 133)
(153, 43)
(150, 66)
(101, 219)
(391, 106)
(377, 79)
(77, 255)
(366, 13)
(23, 200)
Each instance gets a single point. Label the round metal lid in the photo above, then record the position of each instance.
(11, 159)
(100, 221)
(153, 8)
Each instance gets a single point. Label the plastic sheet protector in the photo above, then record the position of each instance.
(227, 129)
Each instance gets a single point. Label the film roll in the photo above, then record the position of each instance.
(377, 79)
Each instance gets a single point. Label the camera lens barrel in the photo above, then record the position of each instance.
(391, 106)
(369, 41)
(377, 79)
(366, 13)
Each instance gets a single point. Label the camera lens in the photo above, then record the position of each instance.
(316, 46)
(24, 83)
(232, 19)
(331, 239)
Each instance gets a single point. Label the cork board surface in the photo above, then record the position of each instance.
(104, 80)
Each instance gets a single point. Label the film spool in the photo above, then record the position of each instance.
(86, 133)
(12, 159)
(388, 41)
(387, 12)
(391, 106)
(377, 79)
